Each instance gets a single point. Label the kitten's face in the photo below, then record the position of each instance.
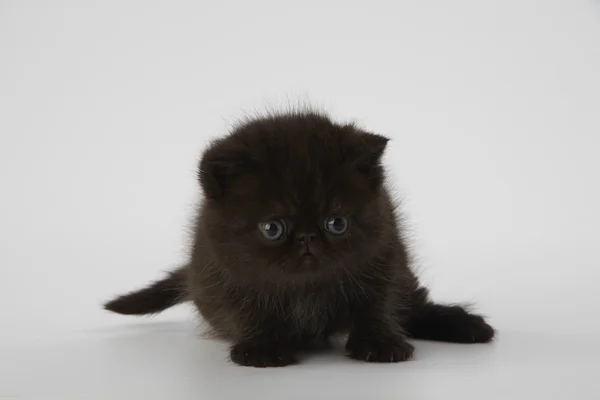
(294, 198)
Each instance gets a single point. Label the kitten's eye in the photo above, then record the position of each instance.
(336, 225)
(272, 230)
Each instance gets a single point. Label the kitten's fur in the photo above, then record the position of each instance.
(268, 297)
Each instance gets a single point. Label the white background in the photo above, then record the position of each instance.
(493, 107)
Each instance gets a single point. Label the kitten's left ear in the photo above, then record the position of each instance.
(369, 148)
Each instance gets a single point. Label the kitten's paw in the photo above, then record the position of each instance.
(260, 355)
(474, 329)
(448, 324)
(384, 350)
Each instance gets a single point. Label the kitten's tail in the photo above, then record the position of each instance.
(154, 298)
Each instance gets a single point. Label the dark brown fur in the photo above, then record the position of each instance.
(269, 298)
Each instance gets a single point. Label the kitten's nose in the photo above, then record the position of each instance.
(306, 237)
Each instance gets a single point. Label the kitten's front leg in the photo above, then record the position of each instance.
(375, 336)
(261, 353)
(262, 346)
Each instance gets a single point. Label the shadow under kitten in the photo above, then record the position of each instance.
(297, 240)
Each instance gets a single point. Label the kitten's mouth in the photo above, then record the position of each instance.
(308, 258)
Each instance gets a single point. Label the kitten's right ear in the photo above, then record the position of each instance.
(220, 166)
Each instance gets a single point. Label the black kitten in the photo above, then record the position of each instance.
(296, 240)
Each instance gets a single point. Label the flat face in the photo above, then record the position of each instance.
(302, 196)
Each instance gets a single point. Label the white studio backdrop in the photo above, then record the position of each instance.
(493, 110)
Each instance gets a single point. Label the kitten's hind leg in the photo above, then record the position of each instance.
(431, 321)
